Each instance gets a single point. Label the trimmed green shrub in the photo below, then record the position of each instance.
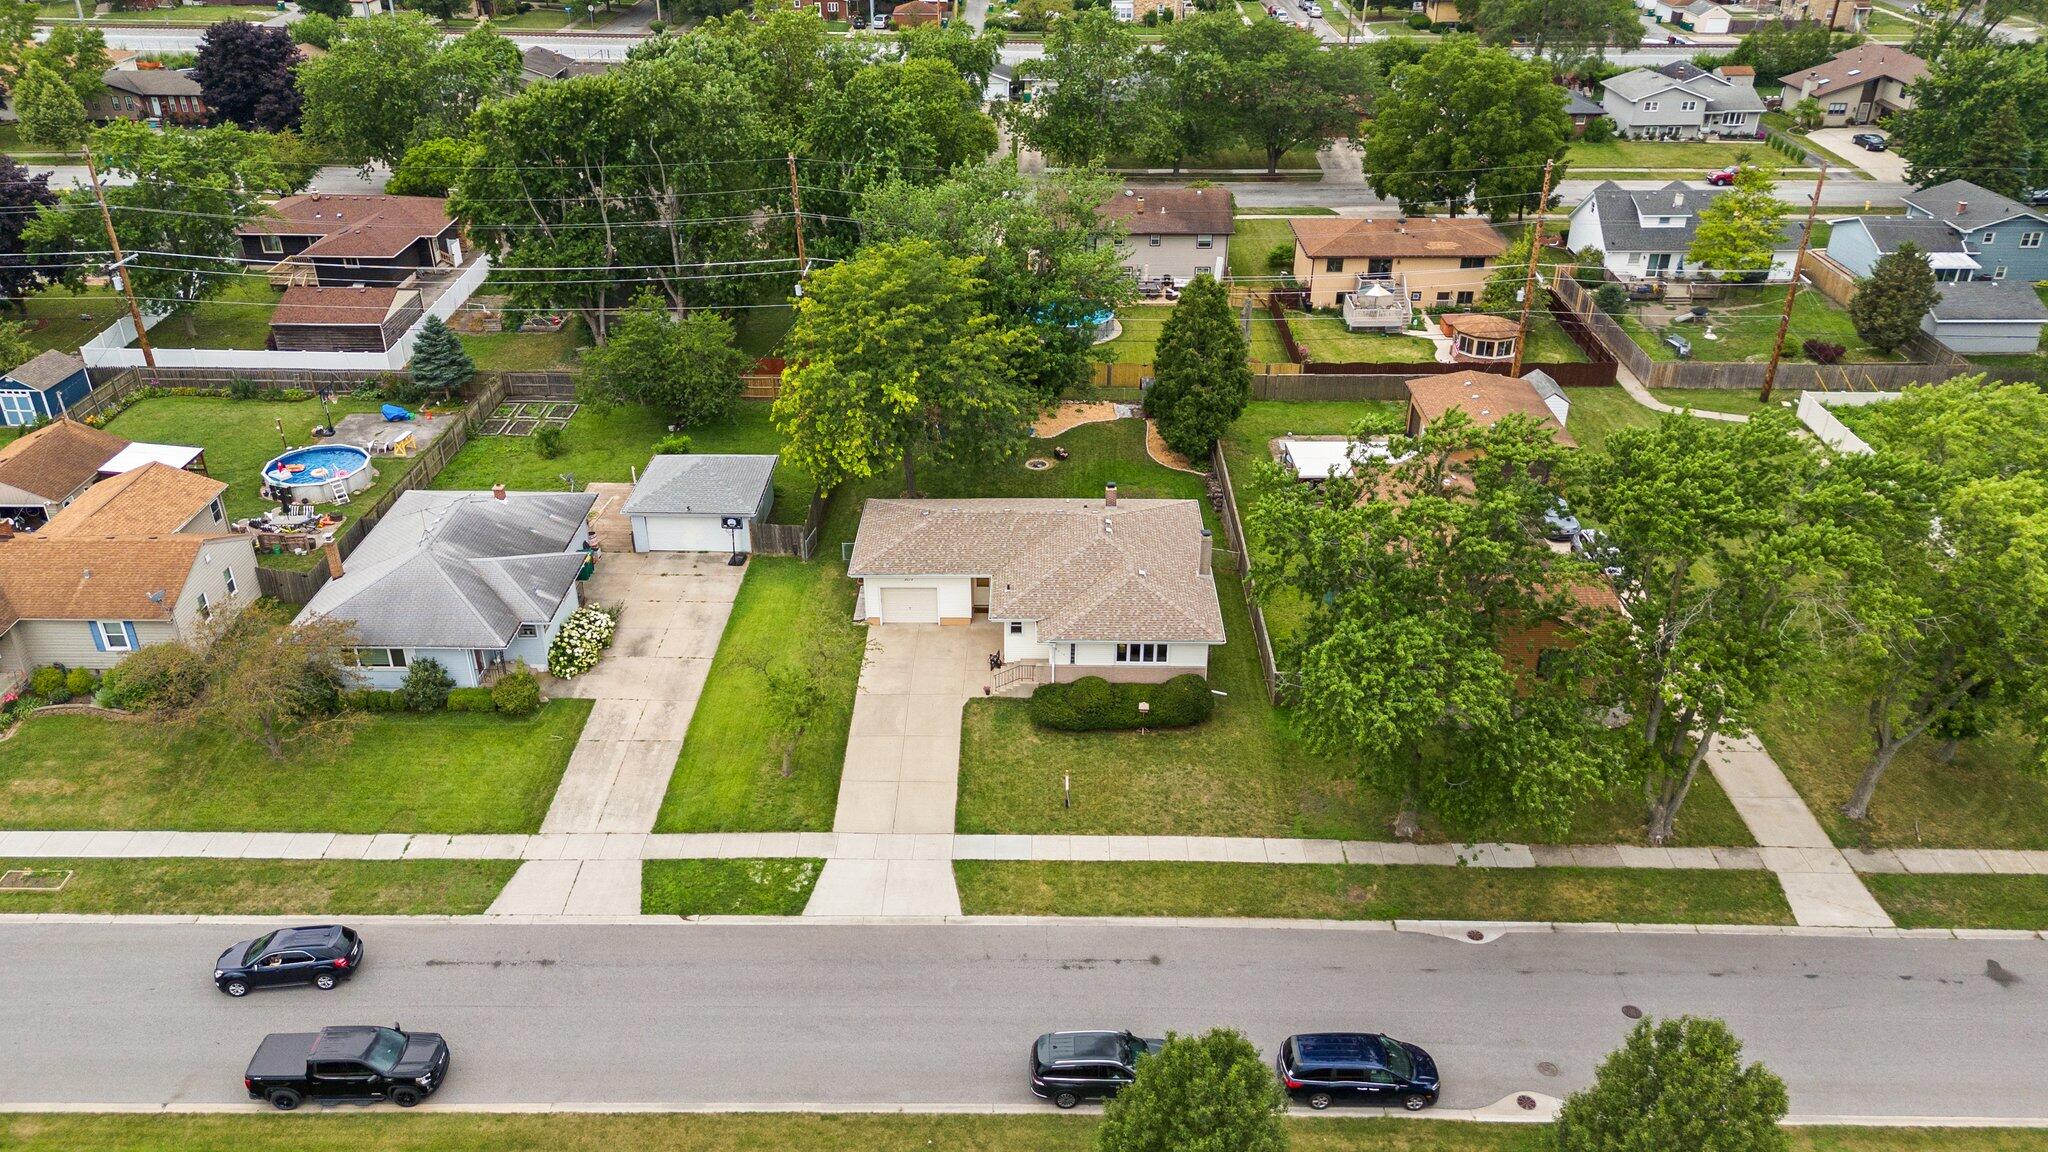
(161, 678)
(426, 687)
(673, 444)
(48, 683)
(470, 700)
(550, 441)
(517, 693)
(80, 681)
(1092, 704)
(1418, 21)
(376, 700)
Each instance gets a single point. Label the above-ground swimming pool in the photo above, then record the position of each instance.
(309, 473)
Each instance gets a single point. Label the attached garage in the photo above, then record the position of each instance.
(700, 503)
(910, 605)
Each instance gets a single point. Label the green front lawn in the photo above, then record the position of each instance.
(452, 772)
(192, 887)
(1327, 341)
(1740, 403)
(604, 444)
(2015, 902)
(1744, 321)
(727, 887)
(240, 436)
(1675, 158)
(441, 1131)
(729, 776)
(1549, 344)
(204, 15)
(1987, 798)
(527, 351)
(62, 319)
(238, 317)
(1598, 413)
(1368, 892)
(1254, 241)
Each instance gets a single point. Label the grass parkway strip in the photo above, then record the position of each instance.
(262, 887)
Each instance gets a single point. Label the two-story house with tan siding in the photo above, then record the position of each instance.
(1177, 232)
(1442, 261)
(1861, 86)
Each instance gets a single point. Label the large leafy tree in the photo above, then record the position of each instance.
(1041, 258)
(248, 76)
(599, 187)
(1422, 572)
(391, 81)
(1779, 49)
(1723, 541)
(1949, 26)
(687, 369)
(1201, 381)
(178, 196)
(1189, 111)
(1741, 229)
(895, 119)
(892, 362)
(1980, 114)
(77, 54)
(49, 110)
(21, 196)
(1676, 1083)
(1946, 622)
(1565, 31)
(1889, 303)
(432, 167)
(972, 54)
(1207, 1092)
(1464, 124)
(1090, 101)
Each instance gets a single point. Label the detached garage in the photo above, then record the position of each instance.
(700, 503)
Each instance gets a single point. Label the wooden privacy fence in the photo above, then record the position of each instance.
(798, 540)
(1233, 530)
(294, 587)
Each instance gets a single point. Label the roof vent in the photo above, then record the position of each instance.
(1855, 71)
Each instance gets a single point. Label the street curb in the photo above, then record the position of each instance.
(1489, 931)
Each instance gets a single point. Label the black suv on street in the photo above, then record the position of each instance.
(1069, 1067)
(356, 1062)
(1325, 1067)
(321, 956)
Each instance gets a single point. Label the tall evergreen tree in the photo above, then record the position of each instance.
(1889, 303)
(439, 363)
(1201, 382)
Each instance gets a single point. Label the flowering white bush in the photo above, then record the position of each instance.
(582, 639)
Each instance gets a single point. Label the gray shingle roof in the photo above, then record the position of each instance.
(1889, 232)
(1620, 210)
(1961, 204)
(714, 485)
(1718, 93)
(47, 370)
(1576, 104)
(1987, 300)
(150, 81)
(1082, 570)
(458, 569)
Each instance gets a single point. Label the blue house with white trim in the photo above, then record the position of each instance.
(42, 389)
(2008, 239)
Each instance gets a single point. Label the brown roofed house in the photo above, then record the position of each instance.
(89, 601)
(1441, 261)
(154, 499)
(1860, 86)
(158, 94)
(358, 319)
(1177, 232)
(911, 13)
(352, 239)
(1481, 338)
(50, 467)
(1486, 397)
(1124, 590)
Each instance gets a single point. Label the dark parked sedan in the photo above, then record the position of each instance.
(1069, 1067)
(322, 956)
(1324, 1068)
(1869, 141)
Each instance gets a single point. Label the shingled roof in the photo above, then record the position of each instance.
(361, 304)
(701, 485)
(1486, 397)
(47, 370)
(55, 460)
(151, 500)
(354, 226)
(1152, 211)
(44, 577)
(1083, 569)
(1323, 236)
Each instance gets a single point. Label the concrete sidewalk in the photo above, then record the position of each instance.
(1819, 884)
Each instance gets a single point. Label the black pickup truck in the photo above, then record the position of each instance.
(354, 1062)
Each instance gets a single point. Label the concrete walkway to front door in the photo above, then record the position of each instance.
(1819, 883)
(675, 605)
(903, 766)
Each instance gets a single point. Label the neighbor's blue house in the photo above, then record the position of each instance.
(2004, 236)
(42, 388)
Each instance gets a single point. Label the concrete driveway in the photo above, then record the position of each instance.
(902, 768)
(1881, 165)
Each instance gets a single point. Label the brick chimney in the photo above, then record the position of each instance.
(497, 491)
(1109, 494)
(1962, 207)
(1203, 565)
(333, 552)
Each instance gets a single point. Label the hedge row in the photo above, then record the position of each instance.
(1092, 704)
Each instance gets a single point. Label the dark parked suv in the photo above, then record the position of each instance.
(322, 956)
(1069, 1067)
(1323, 1068)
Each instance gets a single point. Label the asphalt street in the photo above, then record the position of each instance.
(941, 1015)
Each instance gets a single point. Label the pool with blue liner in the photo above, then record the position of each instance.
(309, 473)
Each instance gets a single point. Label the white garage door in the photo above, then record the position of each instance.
(689, 534)
(910, 605)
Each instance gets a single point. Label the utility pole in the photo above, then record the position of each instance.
(1792, 289)
(796, 201)
(114, 242)
(1529, 281)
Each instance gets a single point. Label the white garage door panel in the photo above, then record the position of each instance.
(910, 605)
(689, 534)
